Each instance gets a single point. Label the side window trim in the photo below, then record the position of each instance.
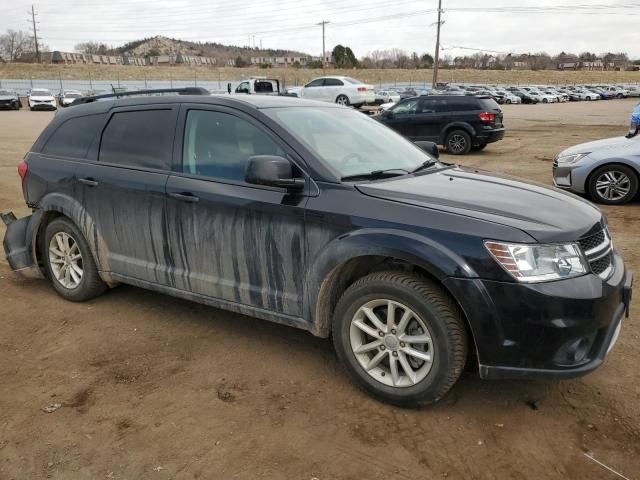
(97, 143)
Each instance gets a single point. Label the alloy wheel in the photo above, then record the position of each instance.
(342, 100)
(391, 343)
(613, 185)
(65, 259)
(457, 143)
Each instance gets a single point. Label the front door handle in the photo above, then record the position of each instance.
(90, 182)
(184, 197)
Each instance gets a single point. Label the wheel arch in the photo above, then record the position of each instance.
(347, 259)
(57, 205)
(457, 126)
(619, 161)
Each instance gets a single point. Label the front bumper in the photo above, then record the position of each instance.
(556, 329)
(43, 106)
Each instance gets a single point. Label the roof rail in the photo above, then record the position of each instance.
(179, 91)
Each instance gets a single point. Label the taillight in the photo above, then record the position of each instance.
(362, 89)
(23, 169)
(487, 117)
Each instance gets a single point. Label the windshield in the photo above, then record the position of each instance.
(72, 95)
(5, 92)
(352, 80)
(348, 141)
(41, 93)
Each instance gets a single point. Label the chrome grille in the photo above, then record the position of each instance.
(598, 248)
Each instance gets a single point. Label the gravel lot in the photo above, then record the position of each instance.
(158, 388)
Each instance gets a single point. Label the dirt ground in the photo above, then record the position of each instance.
(151, 387)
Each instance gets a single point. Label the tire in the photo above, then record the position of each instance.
(431, 308)
(458, 142)
(343, 100)
(478, 148)
(544, 100)
(588, 99)
(31, 108)
(508, 102)
(625, 179)
(89, 285)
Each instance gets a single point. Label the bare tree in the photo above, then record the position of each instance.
(14, 44)
(94, 48)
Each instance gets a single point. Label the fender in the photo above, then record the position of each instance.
(435, 258)
(457, 125)
(71, 208)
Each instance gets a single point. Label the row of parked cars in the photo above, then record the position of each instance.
(39, 99)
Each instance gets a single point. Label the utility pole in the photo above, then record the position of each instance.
(35, 33)
(436, 57)
(323, 23)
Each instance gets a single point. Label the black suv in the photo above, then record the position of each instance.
(315, 216)
(459, 123)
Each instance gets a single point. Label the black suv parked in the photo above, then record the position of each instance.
(459, 123)
(315, 216)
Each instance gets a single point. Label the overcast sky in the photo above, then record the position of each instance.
(507, 26)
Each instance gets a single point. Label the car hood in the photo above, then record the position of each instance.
(8, 97)
(546, 214)
(45, 98)
(607, 146)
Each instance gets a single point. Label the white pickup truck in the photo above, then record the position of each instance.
(257, 86)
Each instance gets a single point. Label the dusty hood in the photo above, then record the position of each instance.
(547, 214)
(606, 145)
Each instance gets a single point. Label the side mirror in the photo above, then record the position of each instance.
(429, 147)
(274, 171)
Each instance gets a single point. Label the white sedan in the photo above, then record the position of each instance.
(340, 90)
(41, 99)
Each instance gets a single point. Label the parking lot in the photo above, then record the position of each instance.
(147, 386)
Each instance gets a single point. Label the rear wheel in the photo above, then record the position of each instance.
(400, 337)
(342, 100)
(613, 185)
(458, 142)
(544, 100)
(508, 101)
(69, 263)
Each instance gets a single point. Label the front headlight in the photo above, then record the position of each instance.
(571, 159)
(538, 263)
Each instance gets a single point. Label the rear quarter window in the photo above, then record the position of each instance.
(488, 104)
(142, 138)
(74, 137)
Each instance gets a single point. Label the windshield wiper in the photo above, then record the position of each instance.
(376, 174)
(424, 166)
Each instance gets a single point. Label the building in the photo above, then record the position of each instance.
(280, 62)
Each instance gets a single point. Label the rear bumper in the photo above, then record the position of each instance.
(18, 244)
(558, 329)
(489, 136)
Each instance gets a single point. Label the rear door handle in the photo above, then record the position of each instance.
(90, 182)
(184, 197)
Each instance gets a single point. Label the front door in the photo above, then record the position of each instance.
(124, 190)
(228, 239)
(401, 117)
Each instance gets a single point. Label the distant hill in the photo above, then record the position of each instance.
(166, 46)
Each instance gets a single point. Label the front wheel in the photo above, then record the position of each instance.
(508, 101)
(69, 263)
(613, 185)
(342, 100)
(400, 337)
(458, 142)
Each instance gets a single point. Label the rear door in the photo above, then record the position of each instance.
(123, 191)
(331, 89)
(432, 115)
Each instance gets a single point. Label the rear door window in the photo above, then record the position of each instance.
(73, 138)
(142, 138)
(333, 82)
